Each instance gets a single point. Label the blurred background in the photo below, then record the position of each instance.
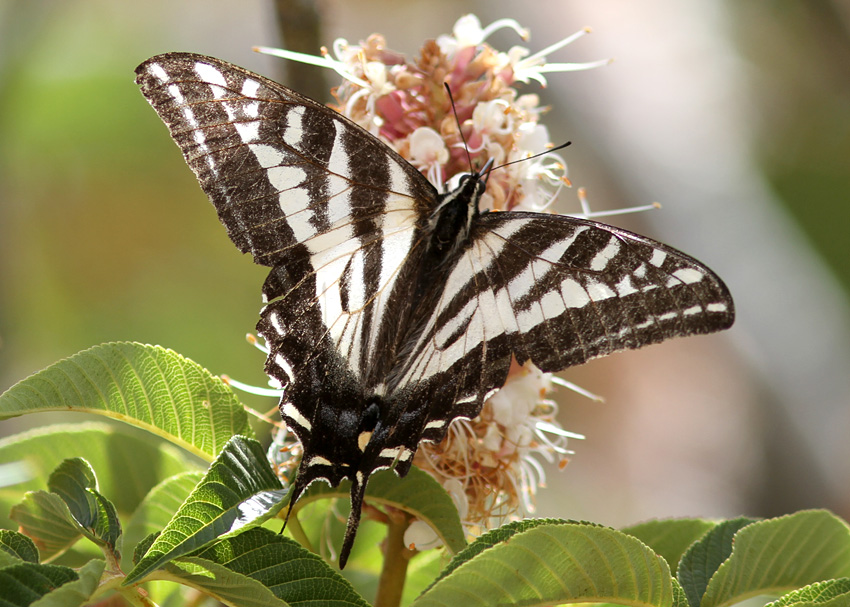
(735, 116)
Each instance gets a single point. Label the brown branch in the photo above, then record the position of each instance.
(300, 27)
(396, 558)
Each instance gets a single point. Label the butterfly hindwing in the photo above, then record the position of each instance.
(390, 309)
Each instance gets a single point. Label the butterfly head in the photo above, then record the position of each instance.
(451, 221)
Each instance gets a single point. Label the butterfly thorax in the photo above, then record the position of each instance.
(440, 240)
(450, 222)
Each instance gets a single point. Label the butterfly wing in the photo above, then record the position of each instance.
(332, 209)
(335, 213)
(557, 291)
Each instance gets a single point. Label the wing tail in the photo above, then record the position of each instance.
(358, 493)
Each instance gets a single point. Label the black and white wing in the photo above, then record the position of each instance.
(391, 309)
(337, 215)
(558, 291)
(551, 289)
(296, 183)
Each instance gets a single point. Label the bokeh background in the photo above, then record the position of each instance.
(734, 115)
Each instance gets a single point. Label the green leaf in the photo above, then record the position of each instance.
(781, 554)
(25, 583)
(832, 593)
(46, 519)
(417, 493)
(146, 386)
(143, 546)
(75, 482)
(159, 506)
(239, 489)
(219, 582)
(421, 573)
(7, 559)
(293, 574)
(78, 592)
(496, 536)
(112, 450)
(18, 546)
(670, 537)
(680, 599)
(553, 564)
(703, 558)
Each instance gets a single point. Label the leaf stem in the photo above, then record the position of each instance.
(298, 533)
(396, 558)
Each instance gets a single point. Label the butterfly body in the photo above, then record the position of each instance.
(391, 309)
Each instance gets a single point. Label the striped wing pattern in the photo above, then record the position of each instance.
(379, 336)
(557, 291)
(294, 182)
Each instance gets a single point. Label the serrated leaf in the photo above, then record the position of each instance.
(703, 558)
(18, 546)
(831, 593)
(553, 564)
(496, 536)
(107, 528)
(78, 592)
(143, 546)
(45, 518)
(146, 386)
(293, 574)
(670, 537)
(838, 601)
(111, 450)
(219, 582)
(70, 478)
(680, 599)
(417, 493)
(160, 505)
(70, 481)
(240, 488)
(25, 583)
(777, 555)
(75, 482)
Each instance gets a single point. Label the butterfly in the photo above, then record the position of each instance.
(391, 308)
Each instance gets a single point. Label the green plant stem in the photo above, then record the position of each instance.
(396, 559)
(137, 597)
(298, 533)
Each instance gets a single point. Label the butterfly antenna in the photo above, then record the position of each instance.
(537, 155)
(459, 129)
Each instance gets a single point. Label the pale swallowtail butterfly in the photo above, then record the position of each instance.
(392, 309)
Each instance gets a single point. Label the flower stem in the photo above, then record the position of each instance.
(298, 533)
(396, 558)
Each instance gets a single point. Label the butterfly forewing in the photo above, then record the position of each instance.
(294, 181)
(382, 325)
